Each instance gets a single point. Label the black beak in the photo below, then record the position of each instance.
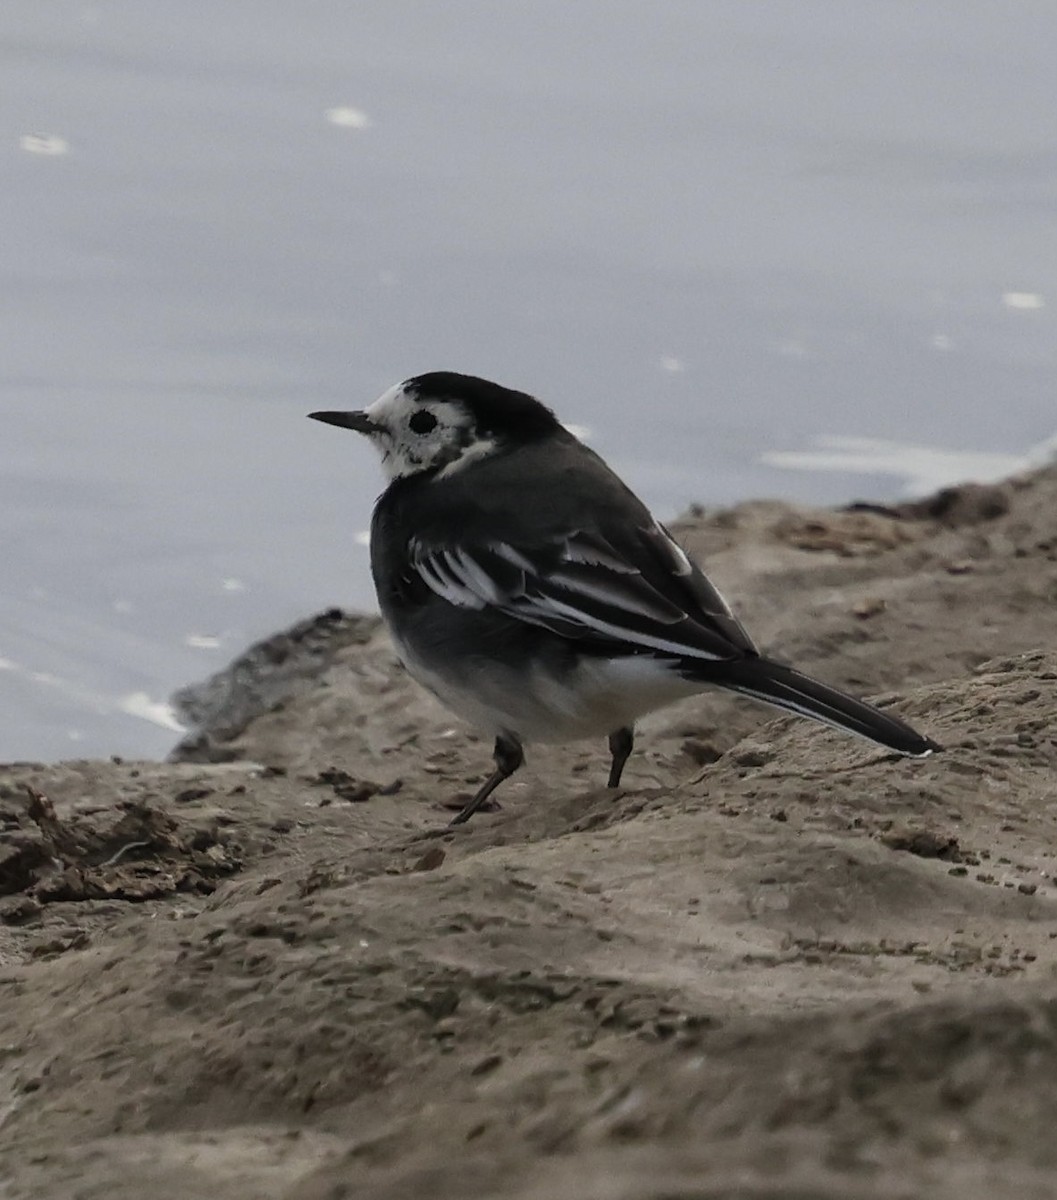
(359, 421)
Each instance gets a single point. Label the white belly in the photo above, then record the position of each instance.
(599, 696)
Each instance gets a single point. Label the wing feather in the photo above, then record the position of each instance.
(645, 596)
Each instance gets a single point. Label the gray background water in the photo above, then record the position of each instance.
(707, 231)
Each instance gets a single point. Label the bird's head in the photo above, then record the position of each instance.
(443, 421)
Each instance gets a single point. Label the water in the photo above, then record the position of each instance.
(713, 233)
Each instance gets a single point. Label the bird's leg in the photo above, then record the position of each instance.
(508, 757)
(620, 743)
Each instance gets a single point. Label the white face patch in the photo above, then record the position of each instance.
(409, 444)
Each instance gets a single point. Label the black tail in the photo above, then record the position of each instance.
(788, 689)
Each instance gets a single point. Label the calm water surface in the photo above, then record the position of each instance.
(788, 247)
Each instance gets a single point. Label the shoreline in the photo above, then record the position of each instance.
(775, 960)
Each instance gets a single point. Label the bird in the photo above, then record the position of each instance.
(530, 590)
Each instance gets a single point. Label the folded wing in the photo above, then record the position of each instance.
(638, 593)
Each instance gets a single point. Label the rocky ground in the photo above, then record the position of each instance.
(775, 964)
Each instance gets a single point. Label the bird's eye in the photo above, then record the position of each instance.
(422, 422)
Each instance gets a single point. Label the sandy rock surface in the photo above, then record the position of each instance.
(777, 963)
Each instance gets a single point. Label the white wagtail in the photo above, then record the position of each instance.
(534, 594)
